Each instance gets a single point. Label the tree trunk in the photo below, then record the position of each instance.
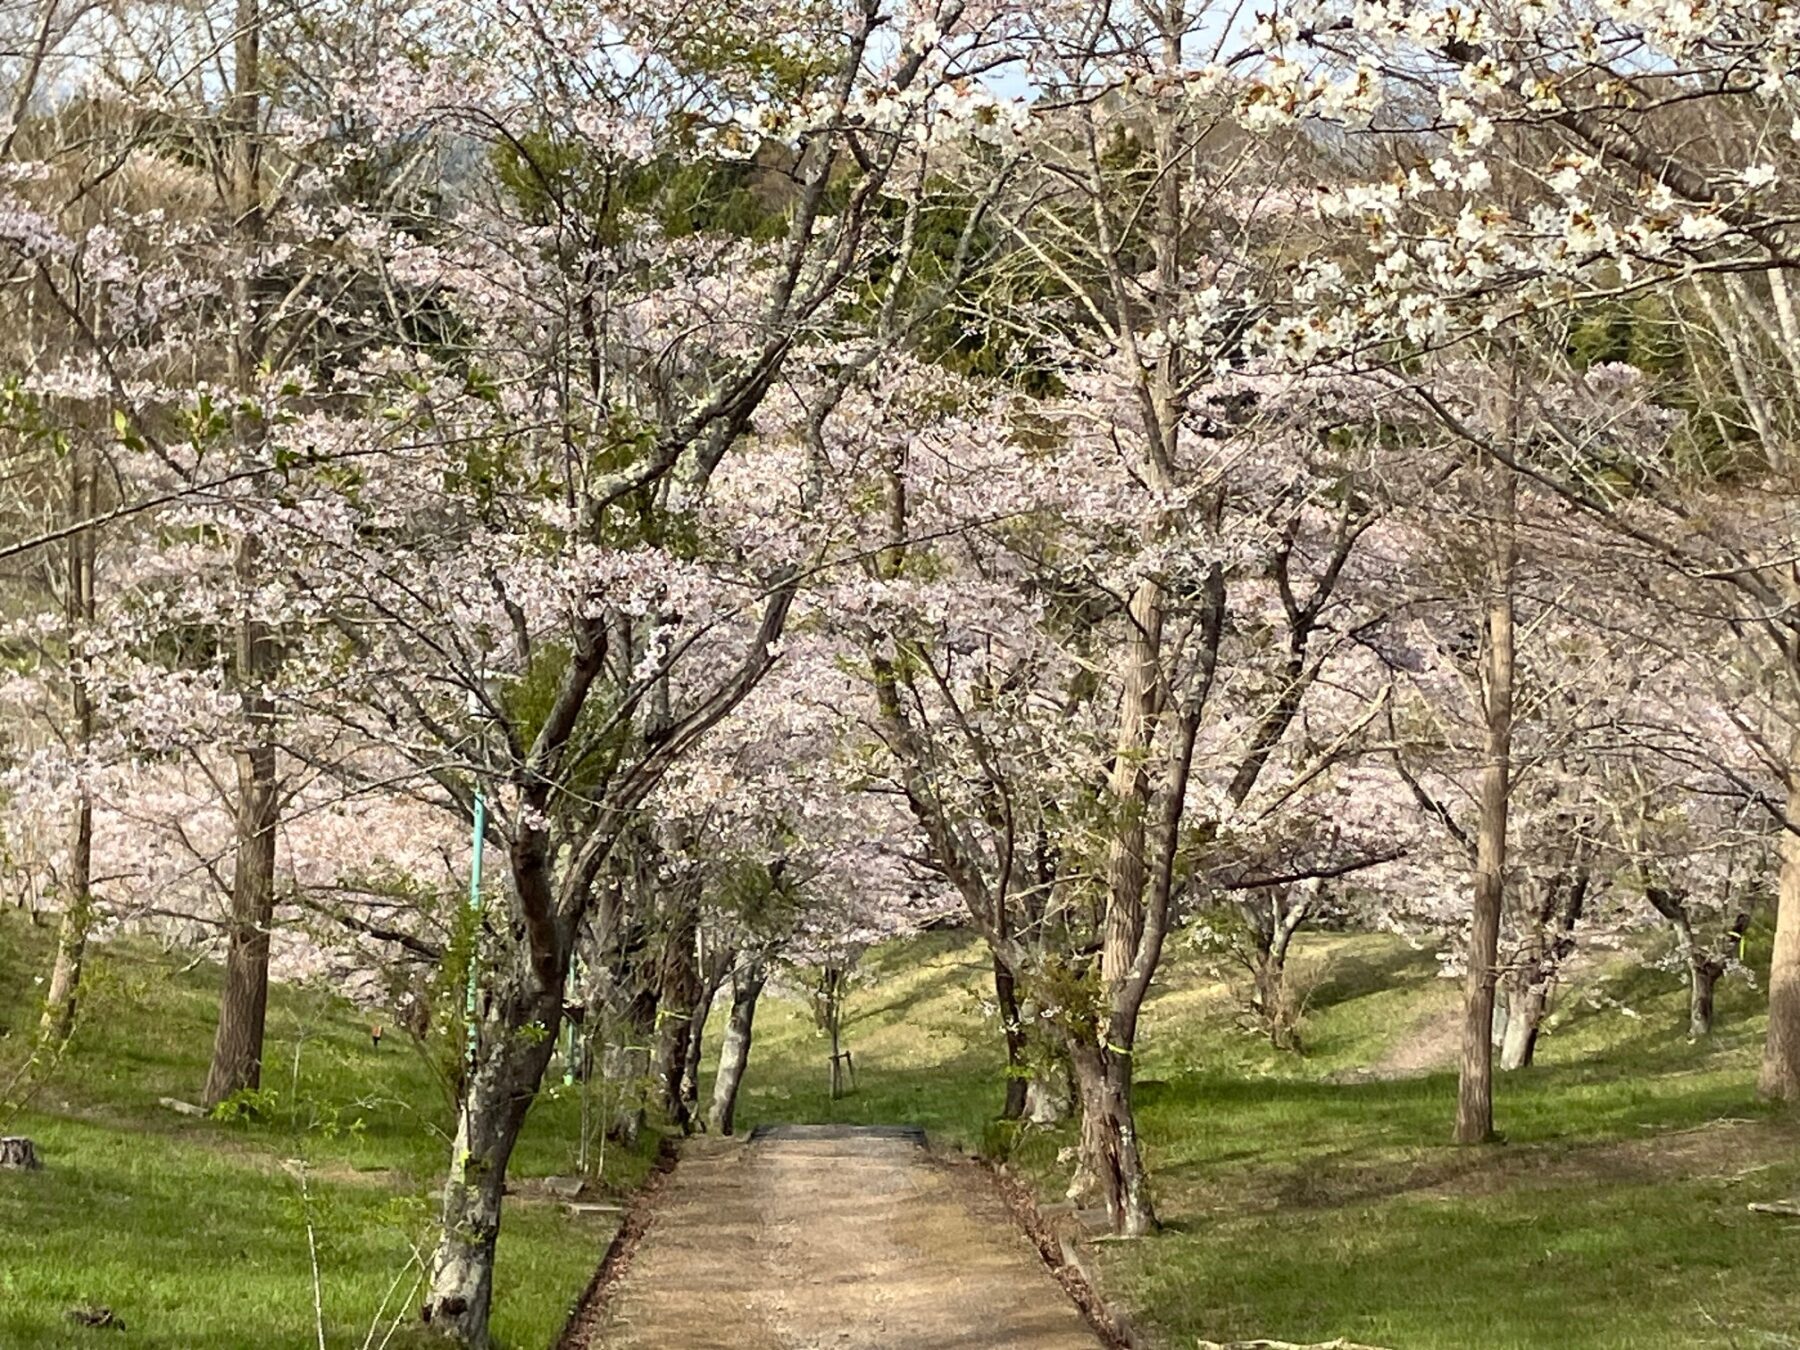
(734, 1052)
(1111, 1164)
(1110, 1160)
(1274, 928)
(509, 1068)
(72, 931)
(1270, 971)
(1780, 1076)
(1704, 968)
(828, 1014)
(696, 1048)
(671, 1066)
(1540, 962)
(1703, 977)
(838, 1081)
(244, 1000)
(1527, 996)
(78, 902)
(679, 978)
(1475, 1086)
(626, 1064)
(1271, 997)
(1007, 995)
(1527, 986)
(1049, 1096)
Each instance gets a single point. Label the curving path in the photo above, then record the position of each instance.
(834, 1239)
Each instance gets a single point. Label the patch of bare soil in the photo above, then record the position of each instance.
(832, 1241)
(1432, 1042)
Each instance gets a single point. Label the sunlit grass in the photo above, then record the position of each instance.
(1306, 1197)
(194, 1233)
(1314, 1197)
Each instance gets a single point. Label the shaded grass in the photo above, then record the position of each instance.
(923, 1052)
(194, 1232)
(1317, 1197)
(1306, 1198)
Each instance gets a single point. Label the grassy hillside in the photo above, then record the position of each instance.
(1306, 1197)
(1316, 1197)
(194, 1232)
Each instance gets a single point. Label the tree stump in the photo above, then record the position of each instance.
(18, 1153)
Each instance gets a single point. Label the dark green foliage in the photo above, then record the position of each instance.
(1715, 440)
(559, 181)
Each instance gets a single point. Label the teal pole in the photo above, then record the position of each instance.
(569, 1027)
(480, 836)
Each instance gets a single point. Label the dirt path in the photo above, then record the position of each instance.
(834, 1240)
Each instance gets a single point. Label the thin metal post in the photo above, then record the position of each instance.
(480, 835)
(569, 987)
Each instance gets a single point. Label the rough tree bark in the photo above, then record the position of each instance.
(72, 929)
(1703, 978)
(716, 969)
(78, 904)
(626, 1064)
(1272, 926)
(244, 998)
(1006, 994)
(243, 1002)
(1547, 944)
(1527, 1000)
(1111, 1158)
(1779, 1078)
(498, 1095)
(1049, 1095)
(1475, 1085)
(1103, 1068)
(677, 1005)
(734, 1052)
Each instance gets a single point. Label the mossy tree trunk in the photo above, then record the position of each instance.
(518, 1038)
(734, 1052)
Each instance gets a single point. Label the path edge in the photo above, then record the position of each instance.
(1061, 1256)
(585, 1317)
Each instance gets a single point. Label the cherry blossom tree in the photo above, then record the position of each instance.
(551, 537)
(460, 448)
(987, 654)
(1557, 160)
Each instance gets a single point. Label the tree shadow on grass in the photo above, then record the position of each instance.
(936, 985)
(1347, 976)
(1590, 1266)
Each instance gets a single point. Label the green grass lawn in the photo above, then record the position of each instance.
(194, 1232)
(1305, 1197)
(1315, 1197)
